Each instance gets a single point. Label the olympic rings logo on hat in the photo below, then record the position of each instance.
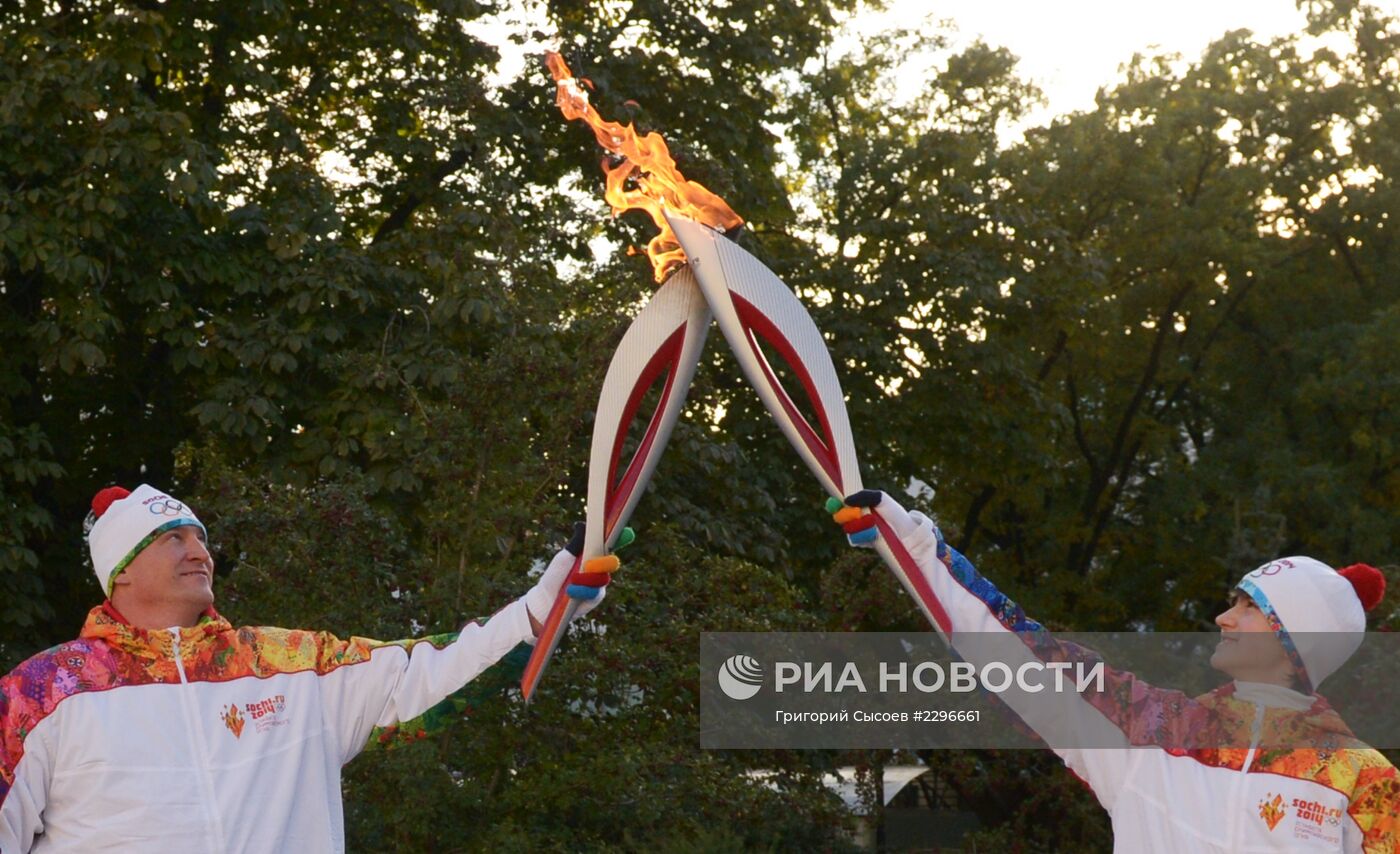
(1272, 568)
(167, 507)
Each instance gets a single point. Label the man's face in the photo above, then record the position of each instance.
(174, 572)
(1248, 649)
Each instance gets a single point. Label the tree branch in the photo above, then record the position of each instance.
(1055, 350)
(1149, 375)
(1209, 342)
(974, 515)
(1081, 553)
(1350, 259)
(1072, 393)
(1106, 511)
(413, 199)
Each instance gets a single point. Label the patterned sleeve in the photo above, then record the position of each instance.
(1087, 730)
(1146, 715)
(25, 769)
(1375, 805)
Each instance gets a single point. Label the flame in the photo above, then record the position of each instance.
(647, 159)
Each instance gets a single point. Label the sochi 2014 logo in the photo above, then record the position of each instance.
(740, 677)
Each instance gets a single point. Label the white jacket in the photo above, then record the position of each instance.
(210, 739)
(1163, 795)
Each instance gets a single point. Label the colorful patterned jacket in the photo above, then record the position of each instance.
(211, 738)
(1221, 772)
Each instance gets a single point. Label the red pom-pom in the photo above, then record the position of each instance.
(102, 500)
(1368, 581)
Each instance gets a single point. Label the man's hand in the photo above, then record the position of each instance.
(586, 586)
(856, 518)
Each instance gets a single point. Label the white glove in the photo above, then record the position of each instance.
(915, 530)
(587, 586)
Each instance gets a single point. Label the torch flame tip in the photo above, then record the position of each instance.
(658, 186)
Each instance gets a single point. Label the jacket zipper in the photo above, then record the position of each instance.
(198, 740)
(1256, 734)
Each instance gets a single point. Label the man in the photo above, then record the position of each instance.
(163, 728)
(1261, 764)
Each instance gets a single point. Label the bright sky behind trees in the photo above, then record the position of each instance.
(1069, 49)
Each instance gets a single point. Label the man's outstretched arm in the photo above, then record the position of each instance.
(491, 686)
(987, 625)
(371, 685)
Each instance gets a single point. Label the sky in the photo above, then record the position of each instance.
(1072, 47)
(1069, 48)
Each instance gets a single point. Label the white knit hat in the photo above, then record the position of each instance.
(123, 523)
(1318, 613)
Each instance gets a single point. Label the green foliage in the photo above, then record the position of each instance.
(309, 269)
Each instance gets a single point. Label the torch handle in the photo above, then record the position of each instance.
(661, 348)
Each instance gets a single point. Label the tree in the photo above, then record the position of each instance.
(306, 269)
(311, 270)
